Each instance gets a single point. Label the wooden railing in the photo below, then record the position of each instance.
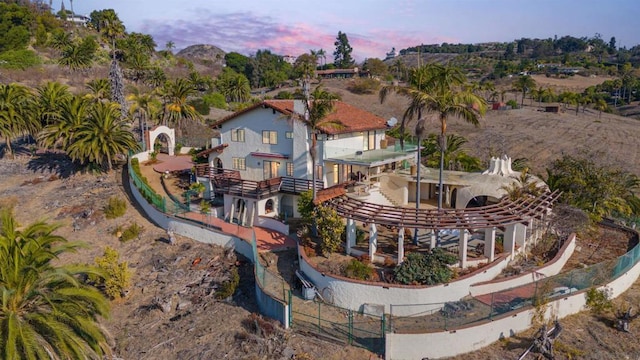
(227, 181)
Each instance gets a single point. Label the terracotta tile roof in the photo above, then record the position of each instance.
(218, 148)
(354, 119)
(329, 193)
(283, 106)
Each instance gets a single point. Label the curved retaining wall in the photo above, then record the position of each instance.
(398, 300)
(467, 339)
(268, 306)
(552, 268)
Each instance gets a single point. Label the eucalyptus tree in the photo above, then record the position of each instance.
(47, 311)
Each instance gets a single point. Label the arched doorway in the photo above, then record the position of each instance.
(286, 206)
(240, 209)
(218, 166)
(454, 195)
(168, 138)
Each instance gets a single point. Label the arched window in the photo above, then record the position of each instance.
(268, 206)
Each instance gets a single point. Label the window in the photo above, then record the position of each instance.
(237, 135)
(269, 137)
(289, 169)
(369, 139)
(288, 134)
(270, 169)
(239, 164)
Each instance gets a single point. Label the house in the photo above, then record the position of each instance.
(261, 161)
(342, 73)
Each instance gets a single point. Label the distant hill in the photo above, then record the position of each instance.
(204, 54)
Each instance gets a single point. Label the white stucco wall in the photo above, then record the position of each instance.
(552, 268)
(253, 123)
(398, 300)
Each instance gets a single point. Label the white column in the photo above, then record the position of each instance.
(351, 235)
(400, 245)
(373, 241)
(253, 219)
(432, 239)
(510, 240)
(231, 211)
(490, 243)
(462, 244)
(520, 237)
(243, 215)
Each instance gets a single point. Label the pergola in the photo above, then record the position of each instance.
(510, 216)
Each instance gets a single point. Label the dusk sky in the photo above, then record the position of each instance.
(372, 26)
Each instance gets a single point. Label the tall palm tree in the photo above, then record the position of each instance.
(524, 83)
(16, 113)
(441, 90)
(46, 311)
(143, 105)
(318, 105)
(103, 136)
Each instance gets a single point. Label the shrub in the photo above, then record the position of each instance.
(284, 95)
(215, 100)
(358, 270)
(200, 106)
(364, 86)
(598, 301)
(19, 59)
(115, 208)
(116, 275)
(228, 288)
(513, 104)
(429, 269)
(133, 231)
(330, 229)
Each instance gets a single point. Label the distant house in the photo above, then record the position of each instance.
(391, 54)
(289, 59)
(342, 73)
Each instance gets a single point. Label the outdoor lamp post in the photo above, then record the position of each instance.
(420, 131)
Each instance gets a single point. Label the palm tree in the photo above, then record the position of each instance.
(46, 311)
(16, 115)
(322, 55)
(524, 83)
(318, 105)
(103, 136)
(143, 105)
(177, 107)
(100, 89)
(170, 46)
(524, 186)
(59, 132)
(235, 87)
(601, 106)
(441, 90)
(49, 97)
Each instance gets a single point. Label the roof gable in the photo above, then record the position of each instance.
(354, 119)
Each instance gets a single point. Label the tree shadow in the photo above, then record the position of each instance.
(53, 162)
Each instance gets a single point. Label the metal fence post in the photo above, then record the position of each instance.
(491, 308)
(319, 325)
(350, 317)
